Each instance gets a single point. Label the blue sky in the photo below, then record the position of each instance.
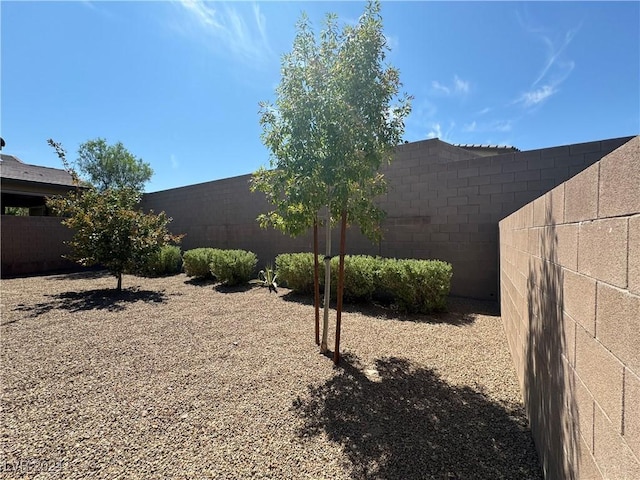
(178, 82)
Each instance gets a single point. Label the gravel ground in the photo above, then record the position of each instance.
(176, 379)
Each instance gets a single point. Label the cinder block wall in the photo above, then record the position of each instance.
(570, 298)
(443, 202)
(33, 245)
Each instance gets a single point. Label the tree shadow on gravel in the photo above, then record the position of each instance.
(395, 421)
(222, 288)
(88, 274)
(104, 299)
(200, 282)
(460, 311)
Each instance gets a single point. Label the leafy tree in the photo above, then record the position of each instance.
(110, 229)
(111, 166)
(336, 120)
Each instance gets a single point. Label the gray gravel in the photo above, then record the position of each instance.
(175, 379)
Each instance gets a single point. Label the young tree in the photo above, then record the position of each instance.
(337, 118)
(111, 166)
(110, 229)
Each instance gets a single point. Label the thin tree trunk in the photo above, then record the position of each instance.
(316, 281)
(327, 284)
(119, 287)
(343, 238)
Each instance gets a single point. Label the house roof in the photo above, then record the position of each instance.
(488, 150)
(15, 169)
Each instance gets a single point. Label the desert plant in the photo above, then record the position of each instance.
(233, 267)
(267, 278)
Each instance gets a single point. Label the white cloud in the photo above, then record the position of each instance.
(435, 132)
(495, 126)
(553, 55)
(92, 6)
(458, 87)
(470, 127)
(440, 88)
(233, 30)
(174, 161)
(503, 126)
(539, 95)
(555, 69)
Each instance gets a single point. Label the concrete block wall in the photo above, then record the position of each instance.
(222, 214)
(570, 298)
(443, 202)
(33, 245)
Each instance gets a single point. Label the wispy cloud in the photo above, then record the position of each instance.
(536, 96)
(460, 86)
(92, 6)
(457, 87)
(555, 69)
(554, 53)
(492, 126)
(231, 29)
(174, 161)
(435, 131)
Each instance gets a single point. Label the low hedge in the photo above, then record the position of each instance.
(166, 261)
(416, 285)
(413, 285)
(233, 267)
(295, 270)
(196, 262)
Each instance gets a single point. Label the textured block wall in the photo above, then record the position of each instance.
(33, 245)
(570, 298)
(443, 202)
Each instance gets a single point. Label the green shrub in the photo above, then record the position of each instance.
(295, 271)
(167, 261)
(196, 262)
(360, 273)
(233, 267)
(416, 285)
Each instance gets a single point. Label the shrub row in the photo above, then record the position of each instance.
(167, 261)
(413, 285)
(233, 267)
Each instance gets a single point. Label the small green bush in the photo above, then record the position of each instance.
(416, 285)
(360, 272)
(295, 271)
(167, 261)
(196, 262)
(233, 267)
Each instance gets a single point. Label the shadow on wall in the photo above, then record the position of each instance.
(403, 422)
(548, 381)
